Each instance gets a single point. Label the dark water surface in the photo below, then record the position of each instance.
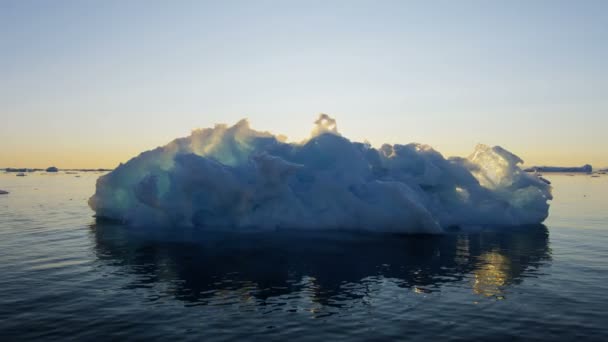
(64, 276)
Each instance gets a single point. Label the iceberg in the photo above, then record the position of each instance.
(237, 178)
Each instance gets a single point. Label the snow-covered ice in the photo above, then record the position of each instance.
(233, 177)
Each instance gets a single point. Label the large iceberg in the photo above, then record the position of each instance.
(238, 178)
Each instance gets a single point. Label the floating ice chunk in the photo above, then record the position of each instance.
(238, 178)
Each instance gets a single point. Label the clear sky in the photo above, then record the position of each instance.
(93, 83)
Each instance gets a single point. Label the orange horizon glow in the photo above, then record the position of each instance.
(92, 156)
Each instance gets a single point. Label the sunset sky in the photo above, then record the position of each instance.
(93, 83)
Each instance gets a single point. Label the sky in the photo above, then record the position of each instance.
(88, 84)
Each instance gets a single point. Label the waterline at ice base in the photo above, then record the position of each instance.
(237, 178)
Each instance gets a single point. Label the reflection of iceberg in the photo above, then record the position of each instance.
(235, 177)
(329, 268)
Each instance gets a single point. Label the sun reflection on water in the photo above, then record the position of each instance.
(492, 274)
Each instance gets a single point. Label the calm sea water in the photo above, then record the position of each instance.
(64, 276)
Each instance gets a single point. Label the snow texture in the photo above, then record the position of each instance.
(238, 178)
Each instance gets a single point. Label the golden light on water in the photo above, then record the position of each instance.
(492, 274)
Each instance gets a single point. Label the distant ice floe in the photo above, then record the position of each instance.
(573, 169)
(233, 177)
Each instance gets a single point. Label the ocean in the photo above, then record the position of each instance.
(64, 276)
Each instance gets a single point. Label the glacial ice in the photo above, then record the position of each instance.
(233, 177)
